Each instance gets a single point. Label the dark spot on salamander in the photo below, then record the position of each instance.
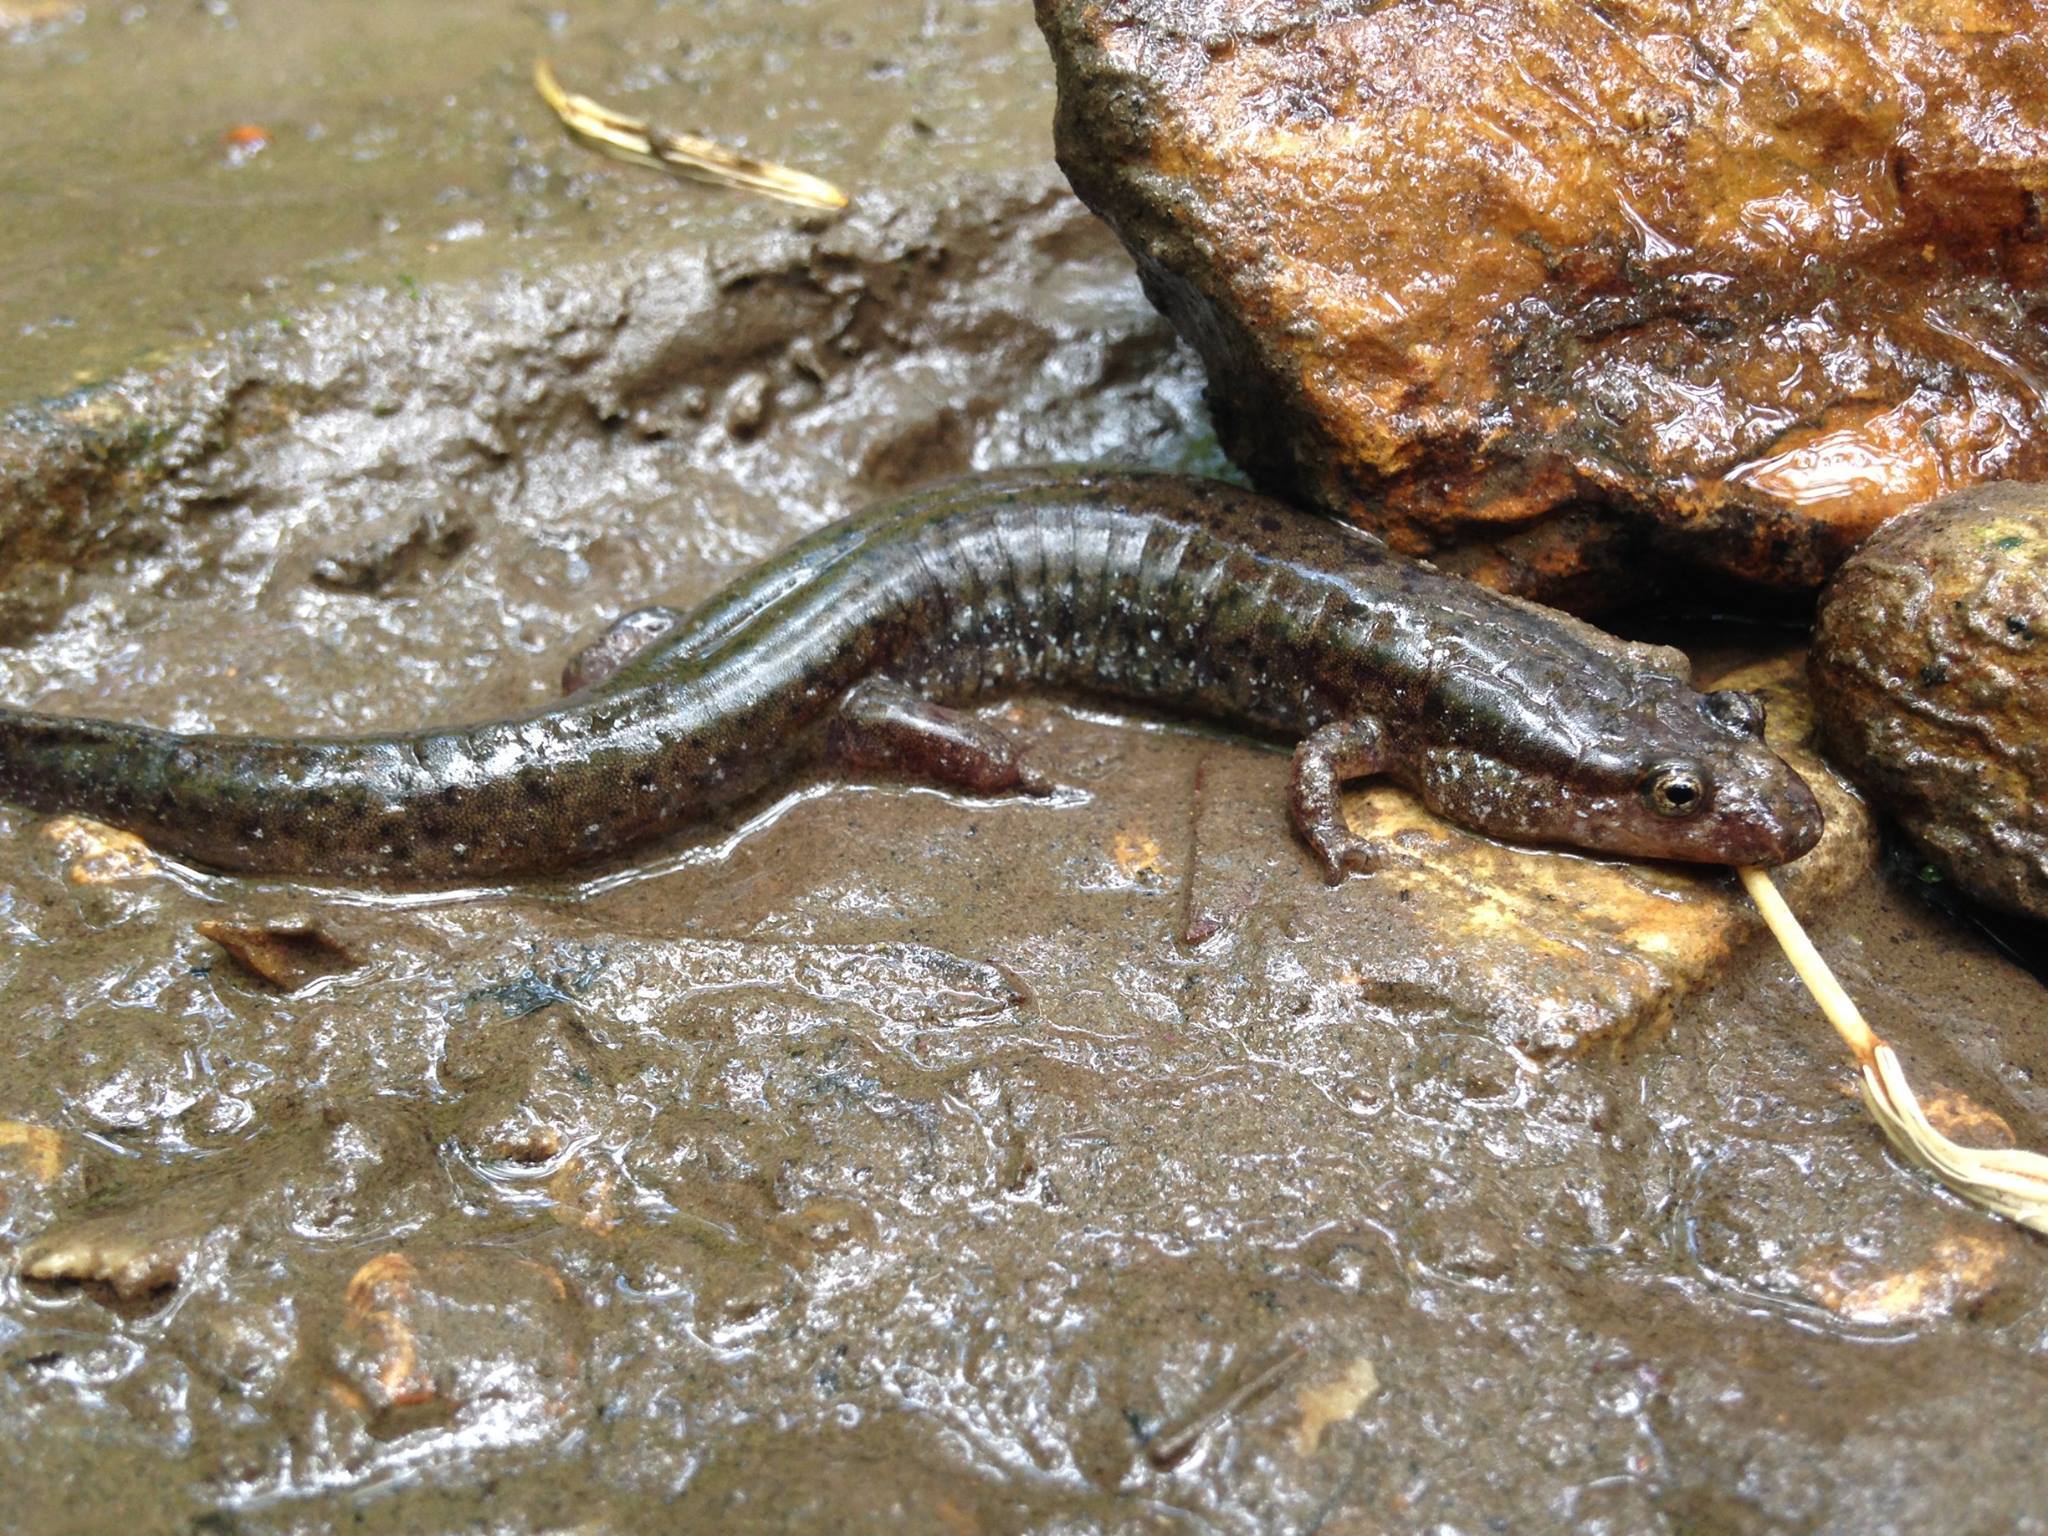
(534, 784)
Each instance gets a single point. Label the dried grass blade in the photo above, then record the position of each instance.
(2006, 1181)
(635, 140)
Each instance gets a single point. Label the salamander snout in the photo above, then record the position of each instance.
(1757, 812)
(1688, 777)
(1716, 792)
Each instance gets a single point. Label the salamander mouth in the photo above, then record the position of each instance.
(1768, 824)
(1789, 827)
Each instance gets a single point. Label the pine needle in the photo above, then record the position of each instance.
(639, 142)
(2008, 1182)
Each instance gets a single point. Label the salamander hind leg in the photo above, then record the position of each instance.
(883, 727)
(628, 636)
(1325, 760)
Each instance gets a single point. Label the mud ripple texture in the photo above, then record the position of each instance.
(1556, 293)
(1930, 671)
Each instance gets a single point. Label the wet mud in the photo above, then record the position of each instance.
(882, 1159)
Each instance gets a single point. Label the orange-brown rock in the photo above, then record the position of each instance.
(1560, 293)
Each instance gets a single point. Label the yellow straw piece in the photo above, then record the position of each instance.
(632, 139)
(2011, 1183)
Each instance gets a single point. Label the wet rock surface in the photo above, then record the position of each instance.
(1560, 294)
(1930, 669)
(1043, 1161)
(988, 323)
(886, 1159)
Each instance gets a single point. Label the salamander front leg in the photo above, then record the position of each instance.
(1342, 750)
(882, 727)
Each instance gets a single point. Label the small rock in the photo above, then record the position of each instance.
(1929, 670)
(33, 1152)
(1957, 1277)
(1962, 1119)
(96, 854)
(25, 13)
(1332, 1401)
(129, 1258)
(477, 1335)
(585, 1192)
(243, 143)
(385, 1351)
(32, 1159)
(746, 405)
(528, 1144)
(288, 953)
(1136, 854)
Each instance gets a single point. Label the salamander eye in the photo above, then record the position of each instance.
(1737, 710)
(1675, 789)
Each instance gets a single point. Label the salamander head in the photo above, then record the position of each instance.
(1690, 778)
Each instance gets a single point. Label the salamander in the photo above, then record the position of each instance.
(864, 640)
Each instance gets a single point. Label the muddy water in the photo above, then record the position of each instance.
(880, 1160)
